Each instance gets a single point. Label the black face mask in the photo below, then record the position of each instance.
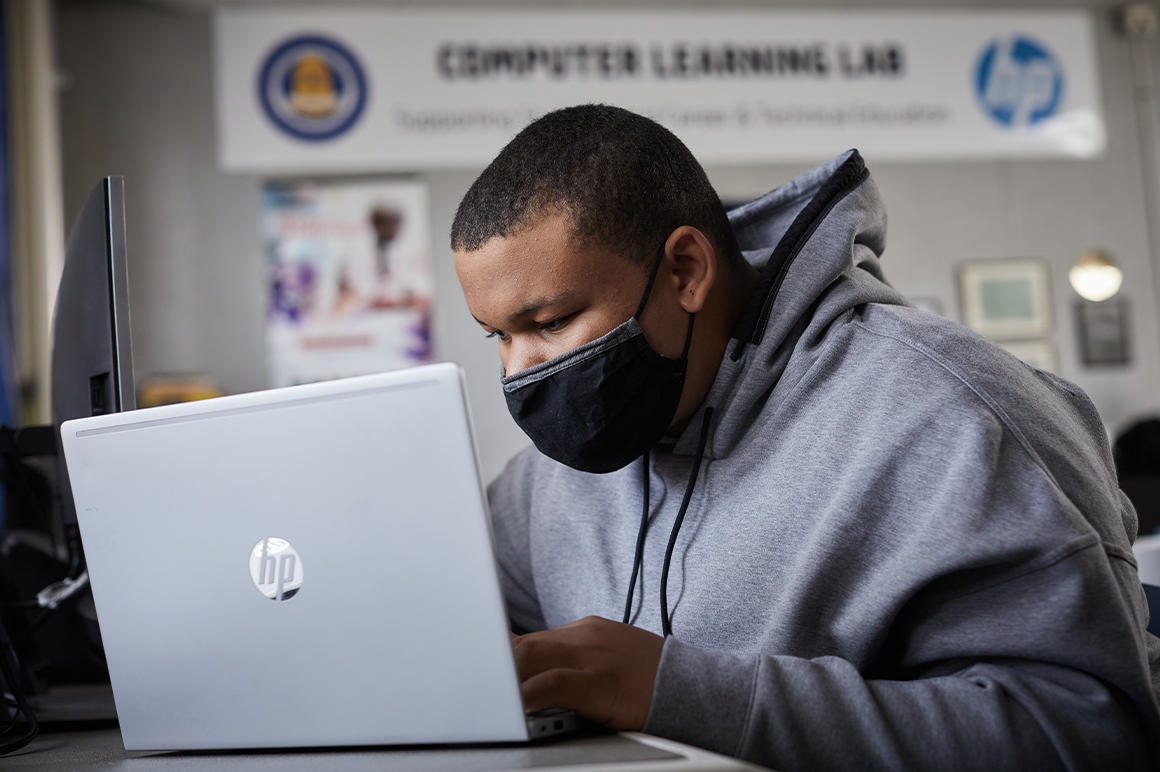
(599, 406)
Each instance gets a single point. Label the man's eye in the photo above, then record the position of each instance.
(555, 325)
(496, 334)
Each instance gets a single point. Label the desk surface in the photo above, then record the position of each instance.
(628, 752)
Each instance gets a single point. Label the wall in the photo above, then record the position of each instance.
(136, 101)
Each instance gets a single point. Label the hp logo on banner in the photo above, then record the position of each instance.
(276, 568)
(1018, 82)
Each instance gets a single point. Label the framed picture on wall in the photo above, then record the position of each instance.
(1102, 332)
(1007, 298)
(1037, 353)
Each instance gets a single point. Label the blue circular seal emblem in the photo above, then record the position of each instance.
(1018, 82)
(312, 87)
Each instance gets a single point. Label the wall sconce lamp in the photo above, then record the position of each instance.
(1095, 276)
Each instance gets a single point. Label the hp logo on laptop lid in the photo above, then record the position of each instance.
(276, 568)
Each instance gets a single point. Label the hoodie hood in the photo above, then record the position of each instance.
(816, 241)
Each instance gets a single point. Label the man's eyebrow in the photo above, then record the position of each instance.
(532, 306)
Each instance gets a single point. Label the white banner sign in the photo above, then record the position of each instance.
(380, 89)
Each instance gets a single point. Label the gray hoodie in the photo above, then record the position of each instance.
(905, 549)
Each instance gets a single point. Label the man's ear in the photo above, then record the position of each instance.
(691, 266)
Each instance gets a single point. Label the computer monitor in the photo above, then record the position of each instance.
(92, 373)
(92, 351)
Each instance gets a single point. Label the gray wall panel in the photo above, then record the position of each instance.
(137, 101)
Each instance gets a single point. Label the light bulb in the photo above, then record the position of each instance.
(1094, 276)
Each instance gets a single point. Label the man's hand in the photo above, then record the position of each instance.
(601, 669)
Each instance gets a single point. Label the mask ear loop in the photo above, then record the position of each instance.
(652, 277)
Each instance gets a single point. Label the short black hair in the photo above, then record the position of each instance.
(626, 182)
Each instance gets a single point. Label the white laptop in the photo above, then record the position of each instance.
(307, 566)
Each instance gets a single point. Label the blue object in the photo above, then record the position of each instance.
(7, 368)
(1018, 82)
(1153, 593)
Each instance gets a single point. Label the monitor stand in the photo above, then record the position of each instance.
(30, 559)
(28, 441)
(74, 704)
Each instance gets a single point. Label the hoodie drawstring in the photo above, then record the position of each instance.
(638, 556)
(638, 559)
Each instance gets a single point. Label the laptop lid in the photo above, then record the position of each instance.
(302, 566)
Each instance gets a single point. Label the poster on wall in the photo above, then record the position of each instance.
(349, 278)
(333, 89)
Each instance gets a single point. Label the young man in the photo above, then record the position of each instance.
(836, 531)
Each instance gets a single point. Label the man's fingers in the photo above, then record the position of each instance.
(584, 631)
(540, 652)
(603, 670)
(564, 688)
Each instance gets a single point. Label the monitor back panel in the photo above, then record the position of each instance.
(397, 633)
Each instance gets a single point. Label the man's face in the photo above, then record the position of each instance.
(541, 296)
